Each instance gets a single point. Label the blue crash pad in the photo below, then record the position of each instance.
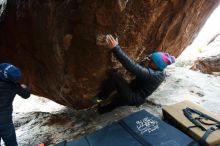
(138, 129)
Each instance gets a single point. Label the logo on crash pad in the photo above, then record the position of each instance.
(147, 125)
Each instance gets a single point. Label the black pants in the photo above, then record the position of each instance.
(125, 94)
(7, 134)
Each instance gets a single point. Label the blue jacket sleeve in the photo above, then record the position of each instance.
(23, 92)
(130, 65)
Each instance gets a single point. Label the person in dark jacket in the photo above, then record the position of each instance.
(148, 76)
(9, 87)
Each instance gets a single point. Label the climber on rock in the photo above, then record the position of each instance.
(9, 87)
(148, 76)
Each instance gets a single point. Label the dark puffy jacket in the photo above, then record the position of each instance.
(146, 81)
(8, 90)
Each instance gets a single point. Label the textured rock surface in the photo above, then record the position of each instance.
(209, 65)
(66, 124)
(58, 44)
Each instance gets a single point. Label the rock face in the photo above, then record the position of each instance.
(209, 65)
(59, 44)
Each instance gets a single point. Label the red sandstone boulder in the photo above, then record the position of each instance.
(59, 44)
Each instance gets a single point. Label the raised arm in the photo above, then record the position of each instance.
(123, 58)
(23, 91)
